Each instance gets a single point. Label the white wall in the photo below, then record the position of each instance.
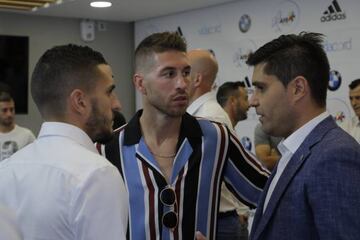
(116, 44)
(217, 28)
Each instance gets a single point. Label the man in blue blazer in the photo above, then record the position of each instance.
(313, 192)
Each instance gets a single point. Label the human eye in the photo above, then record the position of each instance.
(169, 74)
(259, 88)
(186, 72)
(110, 90)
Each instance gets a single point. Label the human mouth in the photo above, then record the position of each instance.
(181, 100)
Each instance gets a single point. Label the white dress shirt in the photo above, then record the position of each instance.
(60, 188)
(206, 106)
(352, 127)
(288, 147)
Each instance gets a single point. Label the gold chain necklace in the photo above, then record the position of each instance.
(163, 156)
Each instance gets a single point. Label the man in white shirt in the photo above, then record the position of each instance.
(352, 126)
(204, 68)
(59, 186)
(12, 136)
(312, 192)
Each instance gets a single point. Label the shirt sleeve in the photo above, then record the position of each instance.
(100, 207)
(243, 173)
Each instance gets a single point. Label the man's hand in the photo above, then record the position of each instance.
(199, 236)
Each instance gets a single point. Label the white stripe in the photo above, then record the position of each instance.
(199, 184)
(124, 178)
(146, 198)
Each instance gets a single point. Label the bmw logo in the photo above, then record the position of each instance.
(334, 81)
(246, 142)
(244, 23)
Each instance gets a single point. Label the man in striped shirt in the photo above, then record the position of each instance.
(172, 163)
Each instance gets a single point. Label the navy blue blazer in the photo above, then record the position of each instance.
(318, 194)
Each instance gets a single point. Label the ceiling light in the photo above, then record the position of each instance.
(100, 4)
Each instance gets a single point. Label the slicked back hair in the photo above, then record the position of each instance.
(293, 55)
(354, 84)
(227, 90)
(59, 71)
(157, 43)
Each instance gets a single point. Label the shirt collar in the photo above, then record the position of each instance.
(293, 142)
(190, 129)
(195, 105)
(68, 131)
(356, 121)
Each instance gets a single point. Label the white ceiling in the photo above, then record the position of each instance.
(123, 10)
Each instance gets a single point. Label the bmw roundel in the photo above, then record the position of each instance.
(246, 142)
(244, 23)
(334, 81)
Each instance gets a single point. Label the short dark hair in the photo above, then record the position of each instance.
(5, 97)
(59, 71)
(296, 55)
(158, 43)
(354, 84)
(226, 90)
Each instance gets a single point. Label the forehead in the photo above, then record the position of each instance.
(7, 104)
(105, 73)
(172, 59)
(355, 91)
(260, 77)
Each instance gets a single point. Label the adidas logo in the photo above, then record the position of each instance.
(333, 13)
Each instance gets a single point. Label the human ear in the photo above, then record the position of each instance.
(138, 80)
(300, 87)
(78, 101)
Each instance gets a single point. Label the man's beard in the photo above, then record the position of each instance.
(98, 127)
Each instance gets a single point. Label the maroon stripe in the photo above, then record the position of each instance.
(216, 177)
(151, 202)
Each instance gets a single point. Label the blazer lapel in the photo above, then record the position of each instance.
(299, 157)
(260, 206)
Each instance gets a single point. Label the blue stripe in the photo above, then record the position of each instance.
(233, 176)
(205, 194)
(181, 160)
(136, 193)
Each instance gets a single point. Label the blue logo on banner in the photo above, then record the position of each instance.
(338, 46)
(207, 30)
(246, 142)
(244, 23)
(334, 81)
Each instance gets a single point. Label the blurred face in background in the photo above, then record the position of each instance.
(355, 100)
(7, 113)
(241, 104)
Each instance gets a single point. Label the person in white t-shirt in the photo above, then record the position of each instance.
(12, 136)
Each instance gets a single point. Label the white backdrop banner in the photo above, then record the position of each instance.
(234, 30)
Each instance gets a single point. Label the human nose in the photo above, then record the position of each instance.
(182, 81)
(116, 104)
(253, 100)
